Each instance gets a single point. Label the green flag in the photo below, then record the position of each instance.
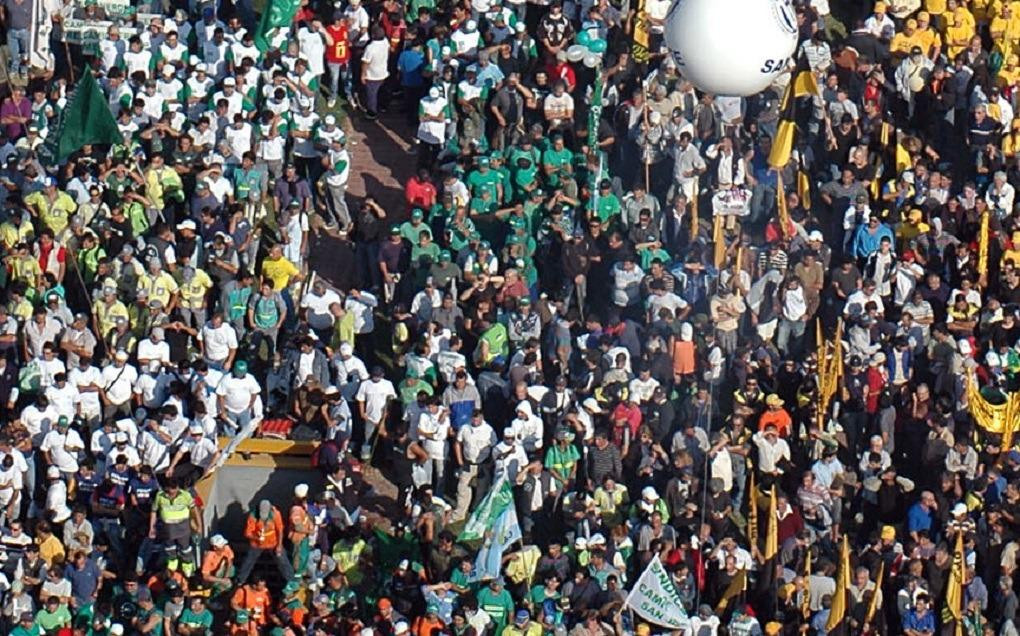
(278, 13)
(85, 120)
(484, 517)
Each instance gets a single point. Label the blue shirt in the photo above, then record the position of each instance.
(919, 519)
(410, 64)
(83, 582)
(924, 623)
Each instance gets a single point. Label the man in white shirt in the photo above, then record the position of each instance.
(375, 70)
(64, 396)
(118, 384)
(472, 448)
(350, 371)
(60, 448)
(201, 452)
(373, 398)
(317, 303)
(218, 342)
(154, 348)
(237, 394)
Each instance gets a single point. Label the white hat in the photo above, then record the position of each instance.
(470, 25)
(597, 539)
(654, 117)
(580, 543)
(401, 628)
(964, 346)
(230, 81)
(520, 27)
(187, 224)
(815, 235)
(330, 120)
(301, 490)
(116, 629)
(200, 67)
(168, 69)
(404, 564)
(648, 492)
(346, 349)
(686, 332)
(218, 540)
(592, 405)
(53, 472)
(195, 427)
(120, 436)
(959, 509)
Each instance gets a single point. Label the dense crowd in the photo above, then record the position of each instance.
(792, 389)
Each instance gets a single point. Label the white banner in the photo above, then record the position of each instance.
(39, 55)
(655, 599)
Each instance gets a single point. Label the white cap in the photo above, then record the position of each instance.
(649, 493)
(580, 543)
(592, 405)
(346, 349)
(330, 120)
(471, 25)
(815, 235)
(120, 436)
(200, 67)
(53, 472)
(218, 540)
(597, 539)
(116, 629)
(401, 628)
(959, 509)
(230, 81)
(301, 490)
(520, 27)
(686, 332)
(187, 224)
(168, 69)
(404, 564)
(964, 346)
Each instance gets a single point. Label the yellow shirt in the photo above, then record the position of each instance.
(107, 315)
(1007, 77)
(1011, 144)
(51, 550)
(957, 39)
(53, 213)
(160, 287)
(279, 271)
(11, 235)
(193, 292)
(928, 39)
(902, 43)
(935, 7)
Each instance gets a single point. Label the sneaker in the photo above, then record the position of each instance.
(331, 102)
(371, 116)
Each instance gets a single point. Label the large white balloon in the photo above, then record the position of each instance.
(731, 47)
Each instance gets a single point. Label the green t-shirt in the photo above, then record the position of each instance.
(409, 392)
(490, 180)
(607, 207)
(202, 620)
(51, 621)
(410, 232)
(417, 252)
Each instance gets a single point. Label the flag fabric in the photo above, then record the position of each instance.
(279, 13)
(639, 34)
(802, 84)
(983, 237)
(838, 611)
(953, 611)
(654, 597)
(498, 499)
(869, 617)
(770, 552)
(85, 120)
(783, 218)
(505, 532)
(733, 590)
(805, 601)
(803, 186)
(39, 31)
(752, 513)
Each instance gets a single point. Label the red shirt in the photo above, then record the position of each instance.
(421, 194)
(44, 255)
(340, 51)
(562, 71)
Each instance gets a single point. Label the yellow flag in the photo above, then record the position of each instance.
(639, 45)
(784, 213)
(805, 601)
(837, 613)
(772, 538)
(733, 590)
(954, 587)
(873, 605)
(802, 83)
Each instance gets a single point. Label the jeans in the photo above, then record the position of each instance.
(17, 42)
(789, 336)
(337, 72)
(372, 88)
(111, 527)
(336, 204)
(236, 422)
(251, 558)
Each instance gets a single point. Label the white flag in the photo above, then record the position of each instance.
(38, 53)
(654, 598)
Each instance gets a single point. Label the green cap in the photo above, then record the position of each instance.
(242, 616)
(432, 608)
(483, 160)
(240, 367)
(394, 229)
(485, 245)
(445, 255)
(62, 421)
(417, 213)
(291, 587)
(496, 154)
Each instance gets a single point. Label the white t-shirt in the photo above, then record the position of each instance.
(375, 395)
(149, 350)
(90, 404)
(433, 432)
(65, 400)
(63, 449)
(218, 341)
(376, 60)
(237, 392)
(118, 383)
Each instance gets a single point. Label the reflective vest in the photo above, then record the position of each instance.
(237, 300)
(176, 510)
(266, 313)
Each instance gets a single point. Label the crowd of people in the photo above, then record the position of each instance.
(598, 294)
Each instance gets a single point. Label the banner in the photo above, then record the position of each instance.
(639, 46)
(655, 599)
(505, 532)
(39, 31)
(499, 498)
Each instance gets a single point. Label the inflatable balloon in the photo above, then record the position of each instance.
(576, 53)
(591, 60)
(598, 46)
(583, 38)
(731, 47)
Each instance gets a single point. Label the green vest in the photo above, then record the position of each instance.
(237, 301)
(266, 313)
